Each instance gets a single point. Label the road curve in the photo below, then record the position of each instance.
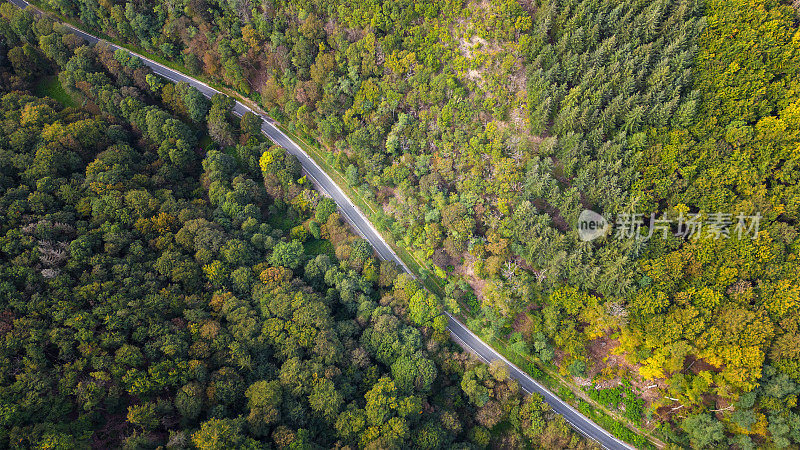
(323, 182)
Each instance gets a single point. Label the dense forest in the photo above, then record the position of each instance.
(483, 129)
(169, 279)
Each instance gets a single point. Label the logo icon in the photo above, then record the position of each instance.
(591, 225)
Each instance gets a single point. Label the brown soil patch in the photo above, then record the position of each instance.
(695, 365)
(467, 270)
(558, 357)
(475, 76)
(523, 264)
(598, 351)
(354, 34)
(383, 195)
(258, 77)
(519, 118)
(469, 47)
(523, 323)
(520, 321)
(330, 27)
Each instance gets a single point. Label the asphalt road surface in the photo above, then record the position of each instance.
(359, 222)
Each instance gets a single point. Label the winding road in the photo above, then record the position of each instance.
(459, 332)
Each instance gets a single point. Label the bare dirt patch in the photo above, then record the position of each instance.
(696, 365)
(519, 119)
(258, 77)
(475, 76)
(468, 47)
(383, 195)
(467, 270)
